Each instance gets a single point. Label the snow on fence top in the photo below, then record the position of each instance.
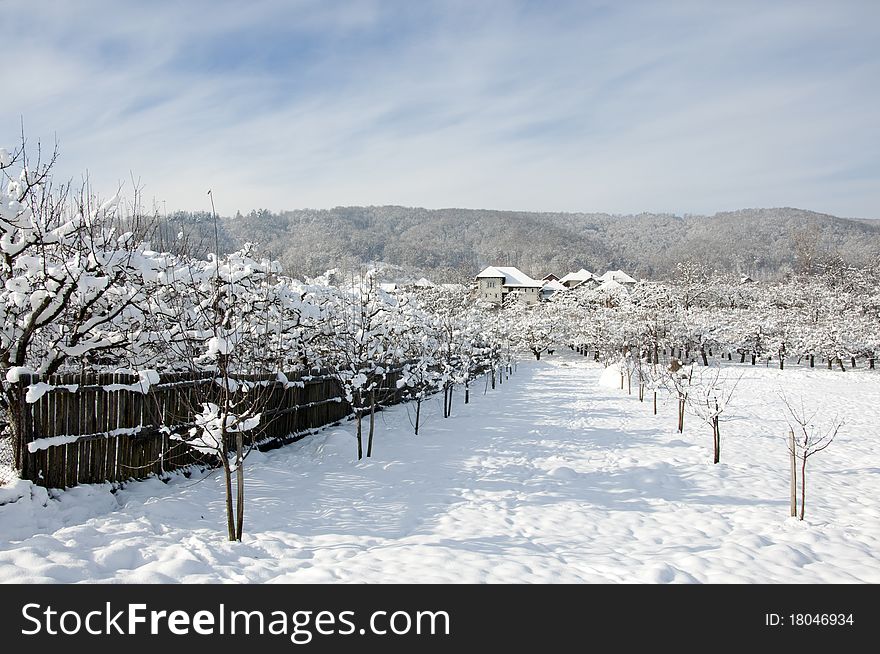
(103, 428)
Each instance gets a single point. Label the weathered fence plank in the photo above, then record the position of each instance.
(119, 433)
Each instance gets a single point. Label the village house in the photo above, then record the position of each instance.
(550, 287)
(495, 283)
(575, 279)
(617, 276)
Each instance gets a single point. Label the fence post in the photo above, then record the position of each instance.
(791, 449)
(23, 428)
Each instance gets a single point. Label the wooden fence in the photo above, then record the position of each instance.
(91, 428)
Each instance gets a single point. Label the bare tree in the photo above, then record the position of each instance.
(677, 380)
(710, 394)
(809, 435)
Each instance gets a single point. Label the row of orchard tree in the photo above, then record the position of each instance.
(660, 337)
(833, 317)
(92, 287)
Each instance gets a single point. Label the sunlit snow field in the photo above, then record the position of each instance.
(551, 477)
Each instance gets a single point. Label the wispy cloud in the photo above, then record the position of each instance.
(620, 107)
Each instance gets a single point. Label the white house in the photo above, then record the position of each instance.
(495, 283)
(617, 276)
(577, 278)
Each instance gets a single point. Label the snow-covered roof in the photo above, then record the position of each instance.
(423, 283)
(617, 276)
(553, 285)
(581, 275)
(611, 286)
(389, 287)
(512, 276)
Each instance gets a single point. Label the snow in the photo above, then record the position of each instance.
(146, 378)
(549, 478)
(554, 285)
(36, 391)
(15, 373)
(610, 377)
(582, 275)
(617, 276)
(611, 286)
(44, 443)
(218, 345)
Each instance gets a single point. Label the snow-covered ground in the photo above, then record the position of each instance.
(550, 478)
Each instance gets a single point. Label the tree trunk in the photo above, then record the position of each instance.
(792, 450)
(230, 519)
(357, 417)
(467, 392)
(655, 403)
(716, 437)
(680, 415)
(703, 356)
(729, 356)
(853, 360)
(754, 358)
(449, 407)
(871, 363)
(621, 381)
(629, 384)
(742, 358)
(239, 482)
(803, 484)
(781, 363)
(418, 413)
(372, 424)
(812, 361)
(829, 363)
(840, 363)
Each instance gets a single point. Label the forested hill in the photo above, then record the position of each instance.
(455, 243)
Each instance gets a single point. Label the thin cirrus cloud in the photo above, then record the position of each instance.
(582, 106)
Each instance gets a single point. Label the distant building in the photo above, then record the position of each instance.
(495, 283)
(423, 283)
(550, 278)
(550, 287)
(617, 276)
(745, 279)
(575, 279)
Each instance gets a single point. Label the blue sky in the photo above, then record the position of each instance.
(686, 107)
